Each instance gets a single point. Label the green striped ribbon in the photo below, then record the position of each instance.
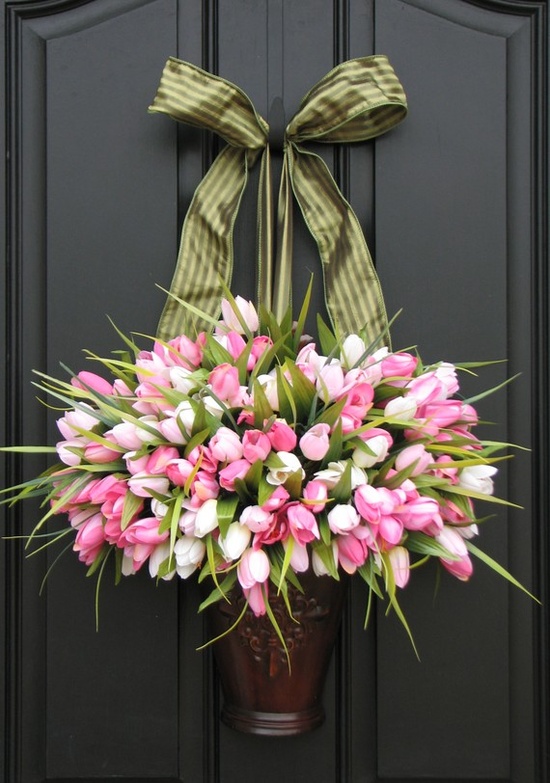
(358, 100)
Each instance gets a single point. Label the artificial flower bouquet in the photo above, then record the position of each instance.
(252, 454)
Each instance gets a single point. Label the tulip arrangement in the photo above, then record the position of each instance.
(254, 454)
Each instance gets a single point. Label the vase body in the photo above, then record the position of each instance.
(261, 694)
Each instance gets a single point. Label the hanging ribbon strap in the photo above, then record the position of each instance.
(357, 100)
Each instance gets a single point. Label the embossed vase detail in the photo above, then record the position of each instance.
(261, 696)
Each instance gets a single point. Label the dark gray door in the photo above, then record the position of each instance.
(454, 206)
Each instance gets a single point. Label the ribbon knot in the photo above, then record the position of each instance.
(358, 100)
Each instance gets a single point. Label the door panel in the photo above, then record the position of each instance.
(454, 207)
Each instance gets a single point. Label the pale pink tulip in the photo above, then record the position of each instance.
(315, 442)
(256, 519)
(415, 457)
(254, 567)
(246, 310)
(226, 445)
(399, 561)
(343, 518)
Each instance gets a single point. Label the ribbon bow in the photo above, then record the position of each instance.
(357, 100)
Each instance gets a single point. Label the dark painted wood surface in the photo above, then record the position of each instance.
(453, 204)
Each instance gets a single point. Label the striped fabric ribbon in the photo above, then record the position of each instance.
(357, 100)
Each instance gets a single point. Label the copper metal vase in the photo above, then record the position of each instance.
(261, 696)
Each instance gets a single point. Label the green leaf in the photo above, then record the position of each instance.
(326, 555)
(426, 545)
(300, 324)
(132, 504)
(485, 558)
(324, 529)
(391, 593)
(265, 490)
(341, 492)
(287, 406)
(225, 509)
(253, 477)
(262, 409)
(327, 339)
(303, 391)
(293, 484)
(336, 444)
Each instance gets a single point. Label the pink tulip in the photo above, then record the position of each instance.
(139, 540)
(255, 597)
(75, 420)
(89, 380)
(460, 565)
(426, 388)
(302, 523)
(256, 445)
(188, 353)
(224, 381)
(442, 413)
(235, 470)
(390, 530)
(399, 365)
(260, 345)
(281, 436)
(413, 456)
(233, 343)
(101, 453)
(421, 514)
(90, 538)
(205, 486)
(178, 471)
(315, 495)
(315, 442)
(276, 500)
(352, 552)
(159, 459)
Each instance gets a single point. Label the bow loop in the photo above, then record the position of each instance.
(198, 98)
(356, 101)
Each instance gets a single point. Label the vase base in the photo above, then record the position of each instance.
(272, 724)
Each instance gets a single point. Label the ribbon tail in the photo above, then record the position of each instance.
(265, 234)
(205, 254)
(282, 297)
(352, 290)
